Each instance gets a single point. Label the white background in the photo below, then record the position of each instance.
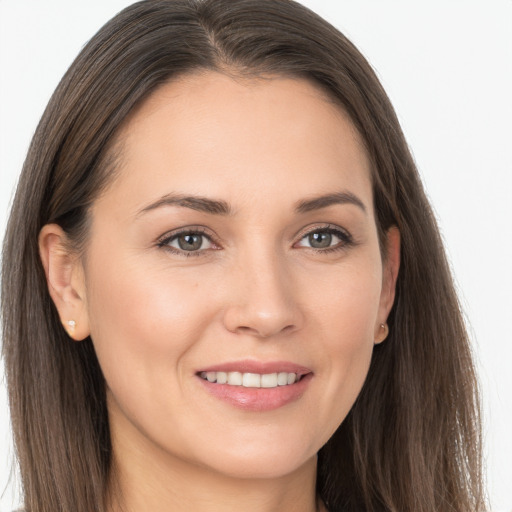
(447, 66)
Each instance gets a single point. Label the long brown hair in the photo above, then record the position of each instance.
(412, 440)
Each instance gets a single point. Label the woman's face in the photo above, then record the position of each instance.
(238, 240)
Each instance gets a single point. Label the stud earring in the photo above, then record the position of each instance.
(384, 329)
(71, 326)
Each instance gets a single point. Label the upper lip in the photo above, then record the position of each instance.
(261, 367)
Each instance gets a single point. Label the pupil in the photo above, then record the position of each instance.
(320, 240)
(190, 242)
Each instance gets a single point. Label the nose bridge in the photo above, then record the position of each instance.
(263, 302)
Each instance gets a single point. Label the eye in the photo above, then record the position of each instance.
(329, 238)
(187, 242)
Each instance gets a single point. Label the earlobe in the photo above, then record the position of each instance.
(390, 270)
(382, 334)
(65, 280)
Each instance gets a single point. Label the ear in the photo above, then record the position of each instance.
(390, 269)
(65, 279)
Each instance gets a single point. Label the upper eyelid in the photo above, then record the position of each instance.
(200, 230)
(321, 227)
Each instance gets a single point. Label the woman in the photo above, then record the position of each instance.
(219, 207)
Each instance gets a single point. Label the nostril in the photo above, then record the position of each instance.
(262, 312)
(264, 331)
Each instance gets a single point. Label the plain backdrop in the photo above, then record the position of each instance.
(447, 66)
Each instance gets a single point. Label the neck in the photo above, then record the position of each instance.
(145, 479)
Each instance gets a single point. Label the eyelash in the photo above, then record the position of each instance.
(346, 240)
(164, 242)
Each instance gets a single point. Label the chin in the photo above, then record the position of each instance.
(260, 459)
(260, 468)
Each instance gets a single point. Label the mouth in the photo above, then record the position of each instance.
(255, 386)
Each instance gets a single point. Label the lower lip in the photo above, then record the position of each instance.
(258, 399)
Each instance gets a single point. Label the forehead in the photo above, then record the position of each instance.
(209, 133)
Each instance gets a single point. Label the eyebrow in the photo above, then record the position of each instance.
(220, 207)
(316, 203)
(199, 203)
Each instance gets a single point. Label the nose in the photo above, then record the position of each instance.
(263, 299)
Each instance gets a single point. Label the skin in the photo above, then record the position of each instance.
(255, 290)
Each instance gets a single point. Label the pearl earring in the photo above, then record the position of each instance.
(71, 325)
(385, 331)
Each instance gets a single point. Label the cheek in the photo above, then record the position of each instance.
(345, 302)
(142, 320)
(345, 311)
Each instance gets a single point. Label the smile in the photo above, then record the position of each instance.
(256, 386)
(251, 380)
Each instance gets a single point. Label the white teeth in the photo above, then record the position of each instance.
(282, 379)
(269, 380)
(235, 378)
(251, 380)
(222, 377)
